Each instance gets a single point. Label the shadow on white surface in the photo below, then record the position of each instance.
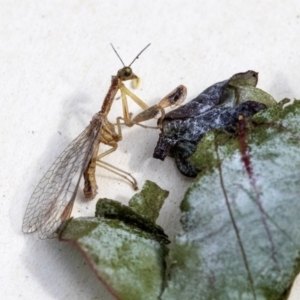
(58, 267)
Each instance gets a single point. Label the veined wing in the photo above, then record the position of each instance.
(53, 198)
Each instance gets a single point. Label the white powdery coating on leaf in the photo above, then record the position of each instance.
(265, 211)
(124, 258)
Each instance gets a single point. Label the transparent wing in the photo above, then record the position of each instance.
(54, 196)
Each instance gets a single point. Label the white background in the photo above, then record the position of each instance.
(55, 68)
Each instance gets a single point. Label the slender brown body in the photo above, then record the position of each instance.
(108, 134)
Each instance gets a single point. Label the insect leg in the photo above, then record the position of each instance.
(90, 185)
(124, 93)
(126, 175)
(173, 99)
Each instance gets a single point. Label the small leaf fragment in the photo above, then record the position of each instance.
(149, 201)
(242, 87)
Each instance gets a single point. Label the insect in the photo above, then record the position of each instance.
(52, 200)
(215, 107)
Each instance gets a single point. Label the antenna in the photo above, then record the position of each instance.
(139, 54)
(135, 57)
(117, 54)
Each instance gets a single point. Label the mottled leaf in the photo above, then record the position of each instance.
(241, 237)
(125, 249)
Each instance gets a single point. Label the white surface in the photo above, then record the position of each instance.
(56, 65)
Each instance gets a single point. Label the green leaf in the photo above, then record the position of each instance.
(241, 237)
(149, 201)
(125, 249)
